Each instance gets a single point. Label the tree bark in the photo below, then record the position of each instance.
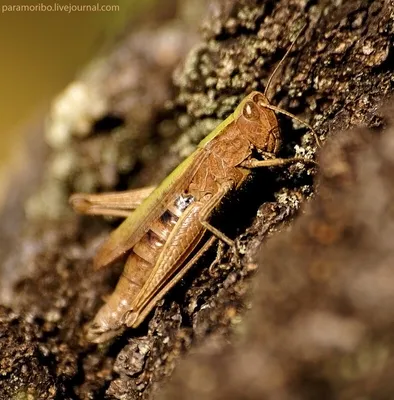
(309, 331)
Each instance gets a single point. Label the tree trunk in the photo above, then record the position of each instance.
(321, 318)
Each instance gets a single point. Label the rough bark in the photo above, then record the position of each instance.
(133, 127)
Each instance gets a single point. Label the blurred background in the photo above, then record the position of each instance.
(41, 52)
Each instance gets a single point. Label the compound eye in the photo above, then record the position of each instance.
(250, 111)
(259, 100)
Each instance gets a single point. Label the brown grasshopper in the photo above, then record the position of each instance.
(163, 237)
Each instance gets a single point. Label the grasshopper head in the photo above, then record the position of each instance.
(258, 123)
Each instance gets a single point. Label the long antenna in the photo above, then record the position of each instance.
(281, 61)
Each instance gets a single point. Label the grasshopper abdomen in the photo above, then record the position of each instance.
(141, 260)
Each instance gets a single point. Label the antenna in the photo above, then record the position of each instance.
(281, 61)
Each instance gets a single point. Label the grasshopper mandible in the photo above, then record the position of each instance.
(163, 237)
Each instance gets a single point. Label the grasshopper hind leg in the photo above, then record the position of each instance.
(135, 317)
(114, 204)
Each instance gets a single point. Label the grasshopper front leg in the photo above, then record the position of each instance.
(114, 204)
(254, 163)
(227, 186)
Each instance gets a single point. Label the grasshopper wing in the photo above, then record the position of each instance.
(137, 223)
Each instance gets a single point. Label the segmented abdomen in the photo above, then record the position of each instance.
(139, 265)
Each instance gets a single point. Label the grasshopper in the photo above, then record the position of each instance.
(170, 228)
